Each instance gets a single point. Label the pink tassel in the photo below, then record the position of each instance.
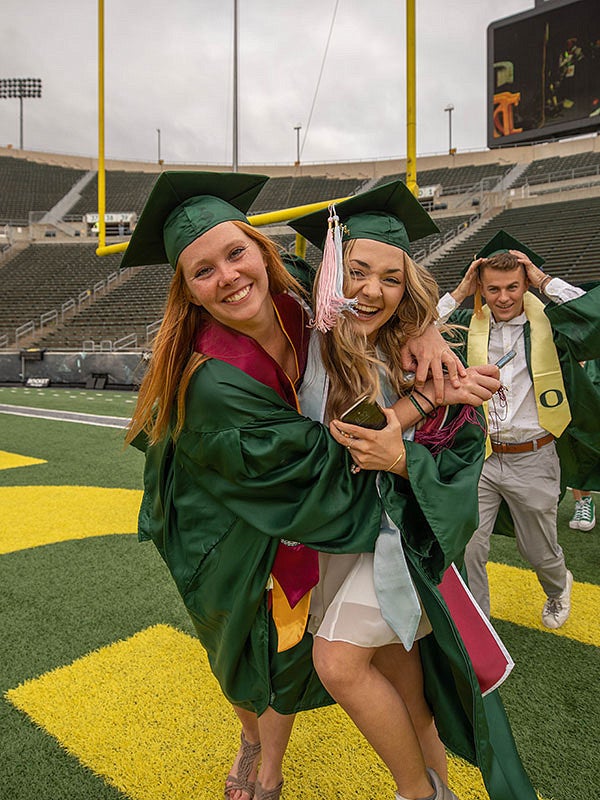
(330, 300)
(435, 438)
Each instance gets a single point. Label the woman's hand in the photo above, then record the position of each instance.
(373, 450)
(428, 355)
(478, 385)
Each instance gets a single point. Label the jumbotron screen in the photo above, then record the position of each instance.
(544, 73)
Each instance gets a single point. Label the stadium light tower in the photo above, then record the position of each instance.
(234, 160)
(21, 88)
(450, 108)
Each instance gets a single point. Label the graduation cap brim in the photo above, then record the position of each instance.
(394, 199)
(502, 242)
(173, 188)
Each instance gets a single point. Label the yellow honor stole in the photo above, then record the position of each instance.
(553, 409)
(289, 622)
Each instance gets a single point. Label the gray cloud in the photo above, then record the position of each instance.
(168, 66)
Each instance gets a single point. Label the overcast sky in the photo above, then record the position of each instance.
(169, 67)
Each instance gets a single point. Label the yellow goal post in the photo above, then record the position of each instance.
(257, 220)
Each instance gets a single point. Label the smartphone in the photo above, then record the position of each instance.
(503, 360)
(365, 413)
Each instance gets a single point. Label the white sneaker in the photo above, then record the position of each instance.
(557, 609)
(442, 792)
(587, 514)
(576, 518)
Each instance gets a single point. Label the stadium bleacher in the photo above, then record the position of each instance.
(560, 168)
(127, 310)
(125, 192)
(290, 192)
(27, 186)
(41, 279)
(128, 191)
(449, 227)
(457, 180)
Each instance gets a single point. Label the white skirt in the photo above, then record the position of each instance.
(344, 606)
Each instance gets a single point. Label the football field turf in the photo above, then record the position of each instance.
(105, 693)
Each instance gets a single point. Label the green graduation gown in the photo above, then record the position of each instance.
(576, 332)
(247, 470)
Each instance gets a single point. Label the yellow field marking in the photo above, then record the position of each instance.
(517, 597)
(147, 715)
(38, 515)
(12, 460)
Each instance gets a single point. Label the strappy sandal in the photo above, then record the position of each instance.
(247, 761)
(268, 794)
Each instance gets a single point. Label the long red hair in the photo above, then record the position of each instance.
(174, 359)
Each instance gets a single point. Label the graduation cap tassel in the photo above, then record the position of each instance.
(477, 304)
(330, 301)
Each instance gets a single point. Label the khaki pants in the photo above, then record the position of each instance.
(530, 485)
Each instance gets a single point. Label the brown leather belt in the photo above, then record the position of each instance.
(522, 447)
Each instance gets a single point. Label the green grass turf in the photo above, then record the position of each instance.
(35, 767)
(581, 548)
(61, 601)
(77, 596)
(114, 404)
(77, 454)
(551, 699)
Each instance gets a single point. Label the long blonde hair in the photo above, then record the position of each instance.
(352, 363)
(174, 360)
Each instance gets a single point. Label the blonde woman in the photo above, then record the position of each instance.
(379, 620)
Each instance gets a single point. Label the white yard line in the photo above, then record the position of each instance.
(65, 416)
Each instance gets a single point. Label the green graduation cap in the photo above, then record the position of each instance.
(502, 242)
(389, 214)
(182, 206)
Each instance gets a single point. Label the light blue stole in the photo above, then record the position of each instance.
(395, 591)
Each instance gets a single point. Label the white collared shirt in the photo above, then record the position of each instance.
(517, 420)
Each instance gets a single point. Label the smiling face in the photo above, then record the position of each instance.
(225, 273)
(376, 281)
(503, 291)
